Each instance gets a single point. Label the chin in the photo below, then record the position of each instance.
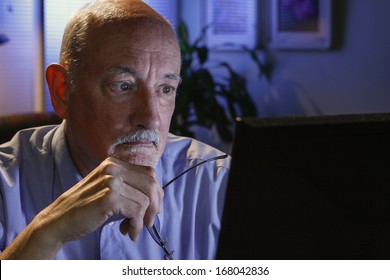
(138, 160)
(136, 157)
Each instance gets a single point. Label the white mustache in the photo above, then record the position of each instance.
(139, 135)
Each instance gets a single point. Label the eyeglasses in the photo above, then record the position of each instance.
(153, 230)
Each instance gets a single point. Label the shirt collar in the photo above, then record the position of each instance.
(66, 171)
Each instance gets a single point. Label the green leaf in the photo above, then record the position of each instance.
(202, 54)
(183, 37)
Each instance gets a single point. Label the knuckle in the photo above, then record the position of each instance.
(154, 189)
(109, 166)
(151, 184)
(144, 201)
(111, 185)
(139, 210)
(113, 182)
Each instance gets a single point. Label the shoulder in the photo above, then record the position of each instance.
(27, 143)
(187, 149)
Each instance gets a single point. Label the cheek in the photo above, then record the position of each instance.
(166, 116)
(95, 120)
(166, 113)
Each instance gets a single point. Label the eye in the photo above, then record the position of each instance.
(124, 86)
(167, 89)
(121, 86)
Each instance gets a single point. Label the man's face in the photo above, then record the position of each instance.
(127, 82)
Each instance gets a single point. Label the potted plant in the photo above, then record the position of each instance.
(4, 38)
(205, 99)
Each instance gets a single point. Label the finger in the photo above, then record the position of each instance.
(141, 178)
(134, 229)
(154, 208)
(128, 202)
(124, 226)
(149, 186)
(137, 206)
(130, 227)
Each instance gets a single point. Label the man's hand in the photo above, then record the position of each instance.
(114, 189)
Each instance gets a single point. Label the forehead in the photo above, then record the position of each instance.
(134, 41)
(148, 34)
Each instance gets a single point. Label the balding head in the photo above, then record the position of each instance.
(98, 14)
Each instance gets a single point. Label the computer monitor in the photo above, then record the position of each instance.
(309, 188)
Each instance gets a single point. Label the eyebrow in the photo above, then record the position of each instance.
(127, 69)
(122, 69)
(173, 77)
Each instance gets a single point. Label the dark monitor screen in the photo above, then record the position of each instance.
(309, 188)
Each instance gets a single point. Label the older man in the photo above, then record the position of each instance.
(79, 190)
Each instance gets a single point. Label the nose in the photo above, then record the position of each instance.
(146, 113)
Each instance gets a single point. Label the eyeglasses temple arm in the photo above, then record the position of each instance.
(192, 167)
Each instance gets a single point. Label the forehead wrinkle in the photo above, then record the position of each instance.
(122, 69)
(127, 69)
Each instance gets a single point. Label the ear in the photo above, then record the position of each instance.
(58, 84)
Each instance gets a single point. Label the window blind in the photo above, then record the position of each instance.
(232, 23)
(56, 14)
(167, 8)
(17, 57)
